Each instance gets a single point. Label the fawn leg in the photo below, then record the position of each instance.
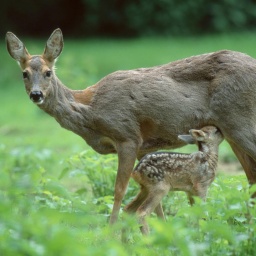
(132, 208)
(137, 201)
(152, 201)
(159, 211)
(127, 152)
(190, 198)
(200, 189)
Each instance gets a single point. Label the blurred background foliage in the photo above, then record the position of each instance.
(127, 18)
(56, 193)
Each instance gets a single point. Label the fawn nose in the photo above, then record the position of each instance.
(37, 97)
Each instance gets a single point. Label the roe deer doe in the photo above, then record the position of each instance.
(139, 111)
(159, 173)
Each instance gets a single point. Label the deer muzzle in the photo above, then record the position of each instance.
(37, 97)
(187, 138)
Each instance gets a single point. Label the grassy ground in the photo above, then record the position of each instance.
(54, 186)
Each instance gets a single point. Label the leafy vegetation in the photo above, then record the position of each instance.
(43, 214)
(129, 18)
(56, 193)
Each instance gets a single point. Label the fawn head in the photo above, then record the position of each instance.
(37, 70)
(208, 134)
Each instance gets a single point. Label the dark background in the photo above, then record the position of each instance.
(123, 18)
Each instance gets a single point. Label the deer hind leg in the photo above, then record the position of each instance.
(243, 143)
(247, 162)
(127, 152)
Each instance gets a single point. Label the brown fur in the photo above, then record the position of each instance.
(84, 96)
(135, 112)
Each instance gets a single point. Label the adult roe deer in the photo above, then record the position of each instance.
(135, 112)
(161, 172)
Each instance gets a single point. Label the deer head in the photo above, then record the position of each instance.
(37, 70)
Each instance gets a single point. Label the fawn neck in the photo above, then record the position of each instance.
(211, 153)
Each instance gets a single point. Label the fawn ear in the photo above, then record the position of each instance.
(197, 134)
(16, 48)
(53, 46)
(187, 138)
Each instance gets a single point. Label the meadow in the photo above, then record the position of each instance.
(56, 193)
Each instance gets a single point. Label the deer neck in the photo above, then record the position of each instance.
(63, 104)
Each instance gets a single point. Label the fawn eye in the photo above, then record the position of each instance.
(48, 73)
(25, 74)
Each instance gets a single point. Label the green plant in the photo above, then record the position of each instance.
(41, 214)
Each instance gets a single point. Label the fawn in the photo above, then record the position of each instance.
(161, 172)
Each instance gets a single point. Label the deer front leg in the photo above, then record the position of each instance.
(127, 153)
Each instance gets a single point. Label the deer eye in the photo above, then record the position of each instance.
(25, 74)
(48, 73)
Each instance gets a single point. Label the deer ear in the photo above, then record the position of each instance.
(197, 134)
(16, 48)
(53, 46)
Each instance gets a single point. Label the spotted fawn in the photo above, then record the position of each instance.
(161, 172)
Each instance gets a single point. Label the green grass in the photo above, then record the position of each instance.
(56, 193)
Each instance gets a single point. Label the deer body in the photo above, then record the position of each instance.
(135, 112)
(159, 173)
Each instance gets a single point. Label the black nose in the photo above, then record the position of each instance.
(36, 96)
